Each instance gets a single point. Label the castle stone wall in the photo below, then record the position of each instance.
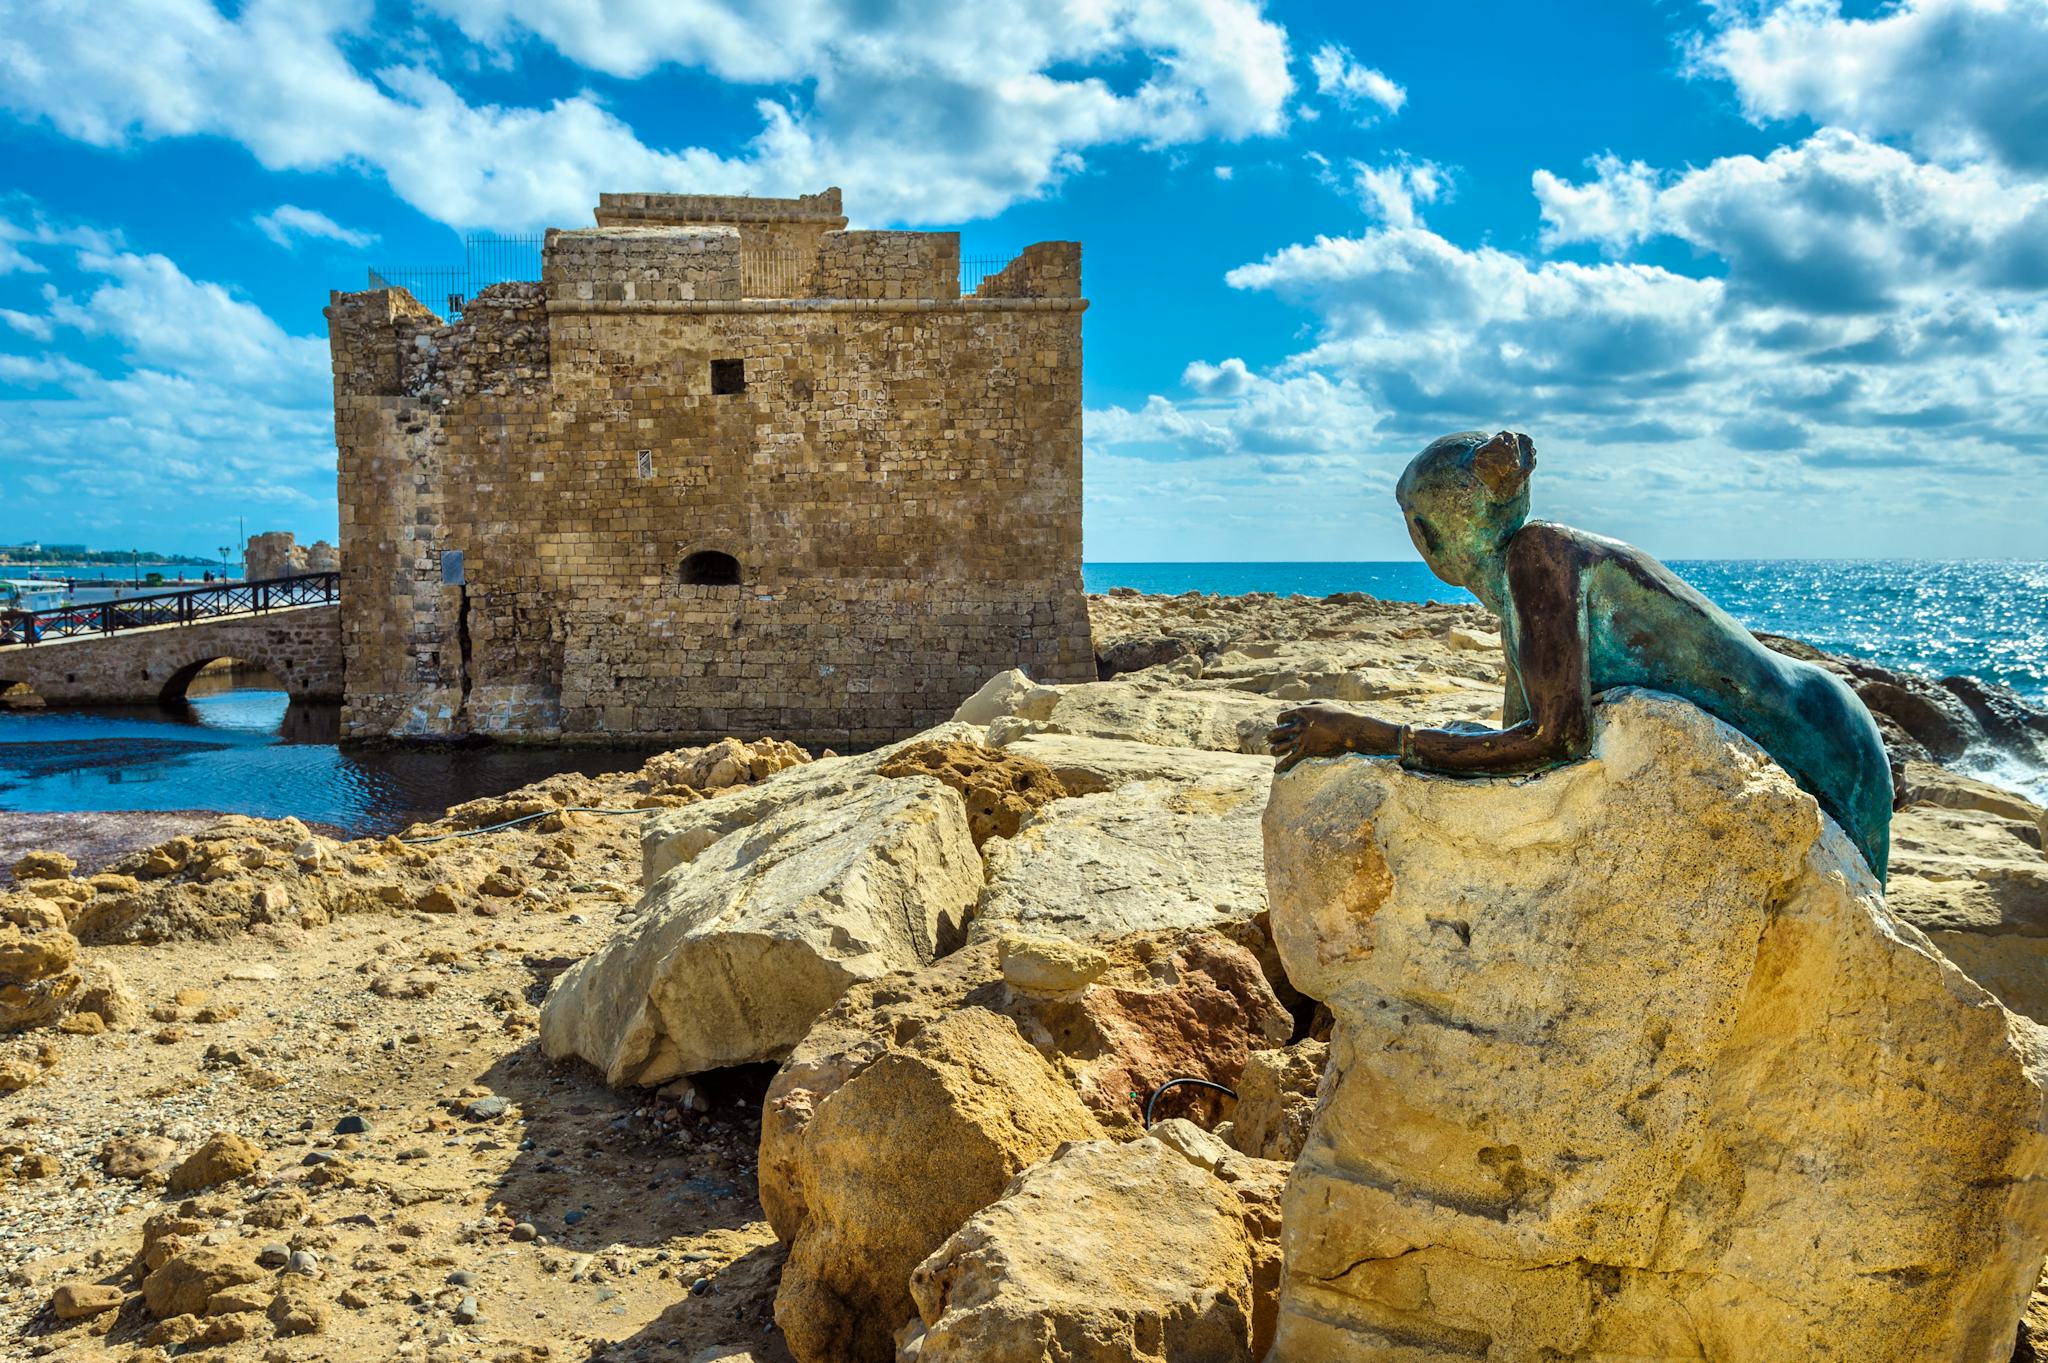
(897, 474)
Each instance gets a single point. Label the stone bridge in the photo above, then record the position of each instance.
(299, 645)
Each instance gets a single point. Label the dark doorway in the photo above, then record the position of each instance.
(710, 568)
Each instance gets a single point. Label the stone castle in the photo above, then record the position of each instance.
(727, 468)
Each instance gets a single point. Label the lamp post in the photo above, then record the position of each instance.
(224, 562)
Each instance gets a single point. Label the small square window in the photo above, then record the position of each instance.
(451, 567)
(728, 376)
(647, 463)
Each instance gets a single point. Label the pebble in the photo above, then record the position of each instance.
(525, 1230)
(700, 1287)
(488, 1109)
(352, 1125)
(466, 1311)
(570, 1218)
(462, 1277)
(303, 1262)
(273, 1256)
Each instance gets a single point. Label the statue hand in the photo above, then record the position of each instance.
(1326, 729)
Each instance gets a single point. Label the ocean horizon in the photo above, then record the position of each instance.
(1984, 618)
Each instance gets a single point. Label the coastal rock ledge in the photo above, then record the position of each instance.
(1631, 1061)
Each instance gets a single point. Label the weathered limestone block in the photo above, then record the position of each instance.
(1151, 854)
(1166, 705)
(1974, 882)
(735, 953)
(680, 835)
(1925, 783)
(39, 975)
(1276, 1099)
(1001, 789)
(1008, 693)
(893, 1161)
(1162, 1005)
(1631, 1061)
(1110, 1253)
(1086, 766)
(715, 766)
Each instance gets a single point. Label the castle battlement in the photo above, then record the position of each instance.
(726, 468)
(704, 248)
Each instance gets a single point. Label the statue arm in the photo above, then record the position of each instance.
(1544, 582)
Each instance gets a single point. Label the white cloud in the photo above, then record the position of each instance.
(1390, 192)
(1353, 85)
(28, 324)
(1217, 380)
(1225, 172)
(1834, 224)
(287, 224)
(1233, 411)
(1865, 364)
(1616, 208)
(927, 110)
(1954, 79)
(207, 399)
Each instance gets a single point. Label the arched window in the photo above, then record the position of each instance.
(710, 568)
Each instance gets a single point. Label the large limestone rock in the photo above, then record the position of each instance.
(893, 1160)
(1148, 855)
(1975, 883)
(1110, 1253)
(1276, 1099)
(40, 979)
(962, 1101)
(1160, 1005)
(737, 951)
(1001, 789)
(1159, 706)
(1631, 1061)
(669, 839)
(1087, 766)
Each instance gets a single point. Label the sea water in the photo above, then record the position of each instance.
(1985, 618)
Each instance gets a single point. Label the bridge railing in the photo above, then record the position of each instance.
(169, 608)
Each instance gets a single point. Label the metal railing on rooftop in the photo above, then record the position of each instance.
(487, 258)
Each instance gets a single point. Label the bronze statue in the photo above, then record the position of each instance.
(1582, 614)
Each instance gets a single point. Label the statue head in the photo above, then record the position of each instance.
(1464, 497)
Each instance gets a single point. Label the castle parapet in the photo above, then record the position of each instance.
(715, 210)
(1047, 269)
(642, 264)
(367, 335)
(888, 265)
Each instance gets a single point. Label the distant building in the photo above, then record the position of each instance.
(728, 468)
(275, 553)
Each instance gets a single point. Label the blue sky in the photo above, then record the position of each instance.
(1761, 279)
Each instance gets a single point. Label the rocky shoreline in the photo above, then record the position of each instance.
(804, 1059)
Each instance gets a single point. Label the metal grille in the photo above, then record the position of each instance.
(487, 258)
(975, 269)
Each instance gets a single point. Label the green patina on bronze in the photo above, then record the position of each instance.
(1582, 614)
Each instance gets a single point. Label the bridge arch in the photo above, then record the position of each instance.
(177, 683)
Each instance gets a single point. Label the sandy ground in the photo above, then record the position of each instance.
(647, 1241)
